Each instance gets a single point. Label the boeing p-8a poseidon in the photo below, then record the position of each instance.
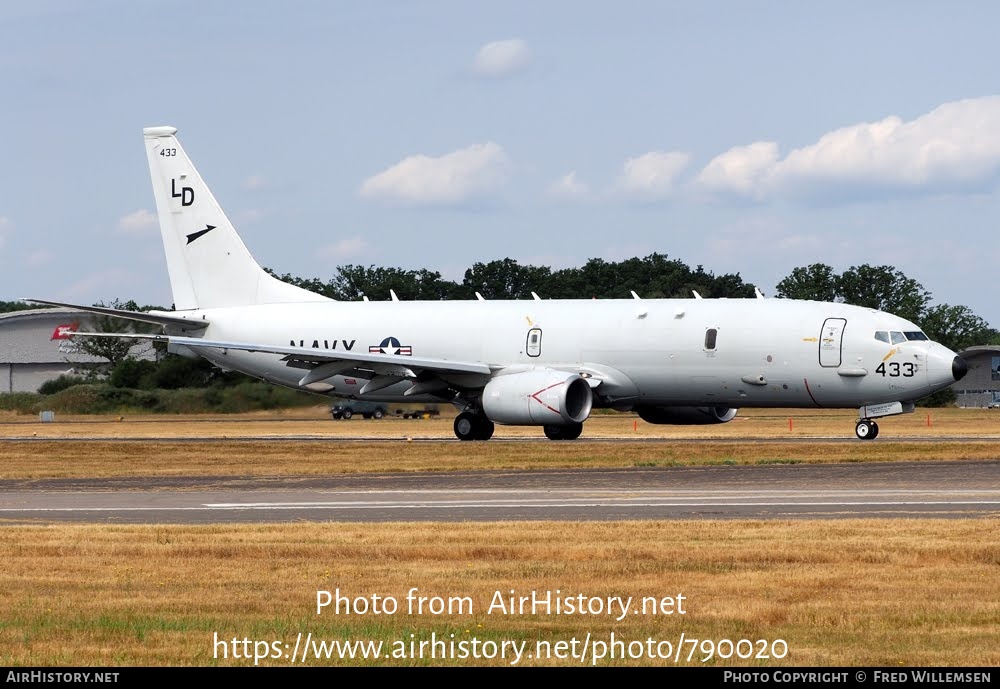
(533, 362)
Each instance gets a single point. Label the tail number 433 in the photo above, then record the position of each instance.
(894, 369)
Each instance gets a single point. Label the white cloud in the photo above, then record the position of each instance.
(652, 176)
(345, 248)
(140, 222)
(501, 58)
(953, 148)
(739, 170)
(454, 178)
(568, 188)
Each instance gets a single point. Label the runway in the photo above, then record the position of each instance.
(830, 491)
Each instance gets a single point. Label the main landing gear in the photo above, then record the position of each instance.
(473, 426)
(866, 429)
(569, 431)
(469, 426)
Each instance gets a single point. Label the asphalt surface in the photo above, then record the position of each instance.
(803, 491)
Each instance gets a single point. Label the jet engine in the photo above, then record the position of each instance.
(538, 397)
(686, 416)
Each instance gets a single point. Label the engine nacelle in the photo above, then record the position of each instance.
(539, 397)
(686, 416)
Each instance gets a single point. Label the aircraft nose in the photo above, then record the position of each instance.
(959, 368)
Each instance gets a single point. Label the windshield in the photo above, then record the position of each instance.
(896, 337)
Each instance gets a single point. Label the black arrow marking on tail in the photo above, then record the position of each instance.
(194, 235)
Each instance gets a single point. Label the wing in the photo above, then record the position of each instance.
(381, 370)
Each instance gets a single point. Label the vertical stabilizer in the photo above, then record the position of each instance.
(208, 263)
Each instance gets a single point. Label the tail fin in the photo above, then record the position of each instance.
(208, 263)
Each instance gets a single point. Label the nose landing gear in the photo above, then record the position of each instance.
(866, 429)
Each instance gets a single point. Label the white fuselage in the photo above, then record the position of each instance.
(766, 352)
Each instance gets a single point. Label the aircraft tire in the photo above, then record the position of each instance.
(485, 428)
(469, 426)
(465, 426)
(874, 430)
(570, 431)
(866, 429)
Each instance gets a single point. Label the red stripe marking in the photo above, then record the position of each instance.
(535, 395)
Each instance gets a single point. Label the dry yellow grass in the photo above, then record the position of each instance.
(107, 459)
(314, 421)
(852, 592)
(859, 592)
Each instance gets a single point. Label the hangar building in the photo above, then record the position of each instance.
(34, 350)
(981, 385)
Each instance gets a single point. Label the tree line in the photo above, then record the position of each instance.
(655, 276)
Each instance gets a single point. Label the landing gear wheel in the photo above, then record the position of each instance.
(866, 429)
(469, 426)
(485, 429)
(570, 431)
(465, 426)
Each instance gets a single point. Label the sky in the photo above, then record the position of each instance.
(746, 137)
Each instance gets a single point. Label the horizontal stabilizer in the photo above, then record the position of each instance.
(156, 317)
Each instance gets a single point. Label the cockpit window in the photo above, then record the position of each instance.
(897, 337)
(915, 335)
(882, 336)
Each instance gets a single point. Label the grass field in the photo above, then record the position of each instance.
(854, 592)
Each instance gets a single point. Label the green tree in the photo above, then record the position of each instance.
(505, 279)
(957, 327)
(817, 282)
(312, 284)
(113, 349)
(353, 282)
(10, 306)
(883, 288)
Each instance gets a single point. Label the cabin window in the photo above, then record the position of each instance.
(533, 347)
(711, 335)
(897, 337)
(882, 336)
